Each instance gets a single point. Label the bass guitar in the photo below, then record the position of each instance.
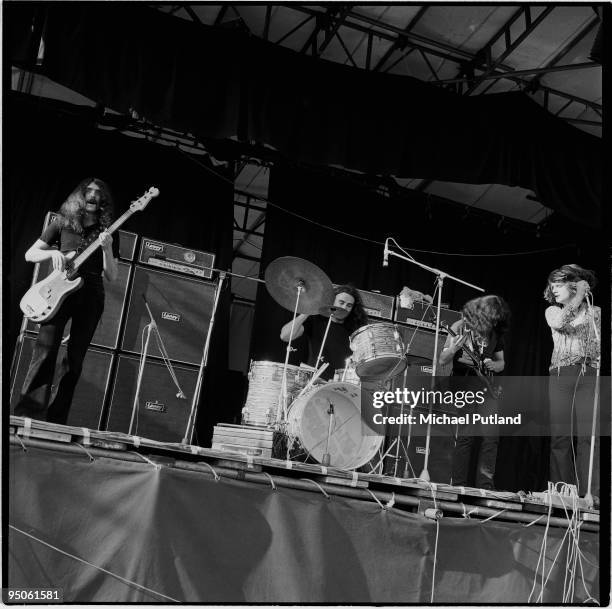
(42, 301)
(478, 365)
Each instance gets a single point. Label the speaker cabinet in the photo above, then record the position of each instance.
(90, 392)
(161, 415)
(107, 332)
(181, 307)
(419, 344)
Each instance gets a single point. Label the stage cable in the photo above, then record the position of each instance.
(82, 560)
(366, 239)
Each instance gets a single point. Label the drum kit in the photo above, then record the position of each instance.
(317, 419)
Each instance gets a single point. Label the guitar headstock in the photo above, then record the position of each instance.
(143, 201)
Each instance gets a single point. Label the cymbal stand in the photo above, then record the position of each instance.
(441, 276)
(320, 356)
(281, 408)
(188, 437)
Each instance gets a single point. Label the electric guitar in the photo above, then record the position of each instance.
(42, 301)
(478, 365)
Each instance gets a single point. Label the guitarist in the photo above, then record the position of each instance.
(83, 217)
(480, 333)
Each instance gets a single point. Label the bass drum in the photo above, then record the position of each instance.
(351, 442)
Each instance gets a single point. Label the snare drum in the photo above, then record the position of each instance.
(351, 442)
(265, 383)
(378, 351)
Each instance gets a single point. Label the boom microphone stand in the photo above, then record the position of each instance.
(151, 327)
(588, 496)
(441, 276)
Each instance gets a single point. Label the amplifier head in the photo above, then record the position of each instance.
(378, 306)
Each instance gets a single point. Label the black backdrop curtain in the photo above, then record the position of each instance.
(219, 83)
(443, 228)
(52, 147)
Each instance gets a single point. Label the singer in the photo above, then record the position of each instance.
(348, 317)
(83, 217)
(575, 325)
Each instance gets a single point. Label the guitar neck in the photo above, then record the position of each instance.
(476, 359)
(92, 247)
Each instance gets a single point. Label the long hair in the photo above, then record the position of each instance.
(568, 273)
(72, 210)
(357, 317)
(487, 314)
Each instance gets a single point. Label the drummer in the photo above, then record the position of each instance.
(348, 316)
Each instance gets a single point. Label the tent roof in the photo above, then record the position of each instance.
(548, 51)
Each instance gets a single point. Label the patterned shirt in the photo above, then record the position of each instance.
(574, 337)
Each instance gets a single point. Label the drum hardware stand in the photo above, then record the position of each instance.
(326, 456)
(187, 439)
(281, 408)
(151, 327)
(441, 276)
(329, 321)
(397, 443)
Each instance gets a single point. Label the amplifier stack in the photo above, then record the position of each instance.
(175, 281)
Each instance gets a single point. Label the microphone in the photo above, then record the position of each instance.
(386, 254)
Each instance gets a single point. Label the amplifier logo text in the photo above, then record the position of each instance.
(156, 406)
(154, 246)
(171, 316)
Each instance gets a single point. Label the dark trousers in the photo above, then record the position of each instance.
(571, 392)
(467, 436)
(84, 307)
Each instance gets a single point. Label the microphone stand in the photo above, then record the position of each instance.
(441, 276)
(588, 496)
(150, 327)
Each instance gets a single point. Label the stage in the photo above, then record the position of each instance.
(107, 517)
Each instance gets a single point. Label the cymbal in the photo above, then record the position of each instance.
(285, 274)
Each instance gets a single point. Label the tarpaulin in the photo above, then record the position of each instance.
(154, 534)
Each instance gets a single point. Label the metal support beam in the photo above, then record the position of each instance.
(295, 29)
(348, 53)
(454, 55)
(426, 60)
(400, 58)
(266, 30)
(221, 15)
(587, 65)
(491, 64)
(369, 51)
(250, 231)
(336, 21)
(192, 13)
(571, 44)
